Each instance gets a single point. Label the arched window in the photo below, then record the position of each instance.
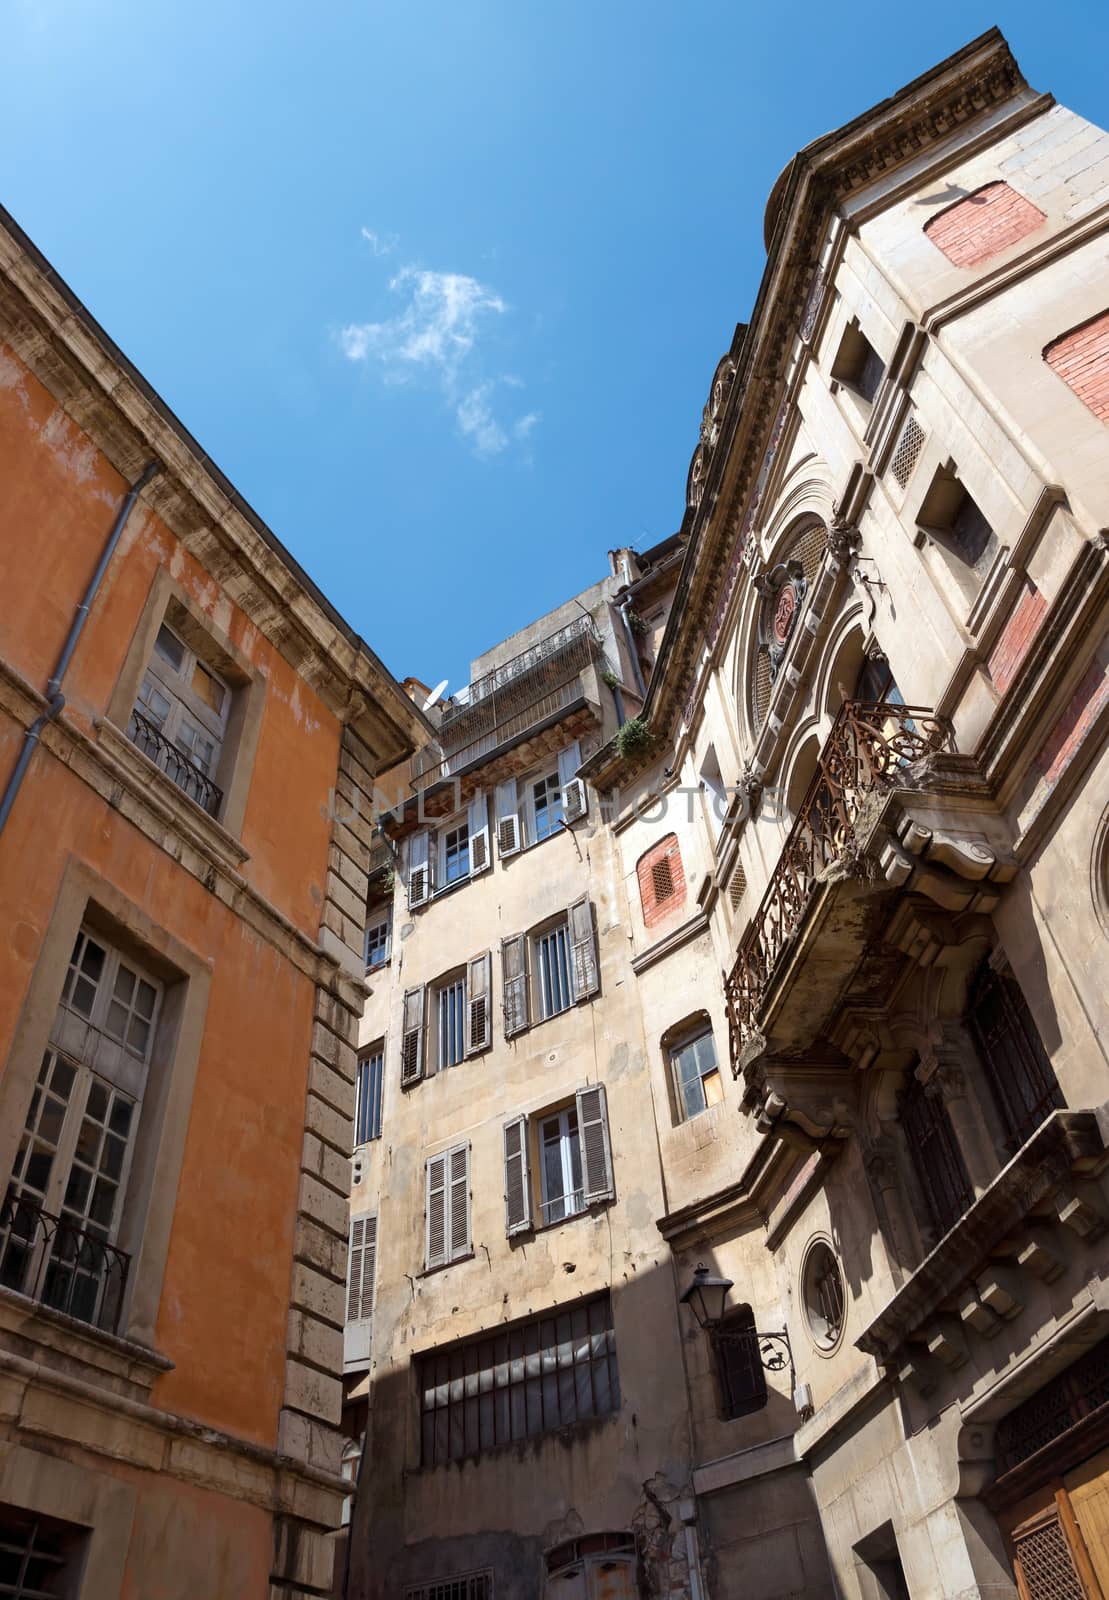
(783, 590)
(1021, 1077)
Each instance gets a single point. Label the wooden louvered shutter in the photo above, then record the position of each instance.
(419, 870)
(514, 977)
(596, 1149)
(583, 950)
(435, 1251)
(362, 1260)
(481, 858)
(508, 818)
(479, 1019)
(574, 802)
(517, 1178)
(412, 1038)
(459, 1201)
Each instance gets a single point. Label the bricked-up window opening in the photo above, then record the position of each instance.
(64, 1205)
(696, 1075)
(1017, 1067)
(1062, 1403)
(549, 1372)
(739, 1365)
(1045, 1560)
(38, 1556)
(822, 1291)
(471, 1586)
(179, 719)
(983, 224)
(935, 1154)
(369, 1089)
(857, 364)
(907, 453)
(1081, 359)
(662, 887)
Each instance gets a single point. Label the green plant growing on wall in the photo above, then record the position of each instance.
(633, 738)
(611, 678)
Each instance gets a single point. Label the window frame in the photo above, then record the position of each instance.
(383, 919)
(553, 935)
(369, 1090)
(689, 1038)
(568, 1141)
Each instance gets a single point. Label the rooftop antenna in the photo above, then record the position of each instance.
(434, 695)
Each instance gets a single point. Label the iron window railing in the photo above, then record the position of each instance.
(175, 763)
(550, 1372)
(935, 1154)
(1015, 1062)
(60, 1264)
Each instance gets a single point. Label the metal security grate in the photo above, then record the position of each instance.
(33, 1558)
(737, 887)
(809, 550)
(935, 1154)
(471, 1586)
(1076, 1393)
(907, 453)
(760, 689)
(1020, 1074)
(1046, 1564)
(663, 879)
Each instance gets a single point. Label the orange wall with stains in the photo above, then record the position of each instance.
(226, 1288)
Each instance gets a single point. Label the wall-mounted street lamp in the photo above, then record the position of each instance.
(707, 1298)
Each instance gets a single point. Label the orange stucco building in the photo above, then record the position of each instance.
(188, 739)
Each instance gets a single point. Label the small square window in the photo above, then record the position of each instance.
(696, 1075)
(950, 514)
(858, 365)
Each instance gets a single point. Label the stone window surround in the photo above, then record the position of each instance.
(169, 603)
(49, 1486)
(149, 1205)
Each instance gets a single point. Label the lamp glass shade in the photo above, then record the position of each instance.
(707, 1296)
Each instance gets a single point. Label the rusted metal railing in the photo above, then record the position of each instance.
(174, 763)
(871, 742)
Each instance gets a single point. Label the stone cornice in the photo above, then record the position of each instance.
(970, 84)
(66, 349)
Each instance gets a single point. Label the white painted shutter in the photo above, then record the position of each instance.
(514, 979)
(460, 1201)
(481, 858)
(583, 950)
(508, 818)
(574, 803)
(479, 1020)
(596, 1149)
(419, 870)
(412, 1038)
(435, 1241)
(361, 1265)
(517, 1179)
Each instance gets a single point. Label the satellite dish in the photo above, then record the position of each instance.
(434, 695)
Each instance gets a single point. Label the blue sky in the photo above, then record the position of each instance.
(441, 285)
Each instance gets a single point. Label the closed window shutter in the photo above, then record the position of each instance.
(508, 818)
(480, 856)
(355, 1267)
(514, 974)
(419, 870)
(583, 946)
(479, 1021)
(436, 1240)
(460, 1201)
(517, 1179)
(596, 1149)
(574, 803)
(412, 1038)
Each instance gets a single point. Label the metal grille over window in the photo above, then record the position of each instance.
(737, 887)
(472, 1586)
(1074, 1394)
(1020, 1074)
(34, 1557)
(1046, 1563)
(547, 1373)
(907, 453)
(936, 1156)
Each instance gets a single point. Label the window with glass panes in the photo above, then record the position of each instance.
(560, 1166)
(181, 712)
(377, 941)
(367, 1106)
(451, 1022)
(454, 852)
(65, 1199)
(696, 1075)
(552, 971)
(549, 1372)
(544, 808)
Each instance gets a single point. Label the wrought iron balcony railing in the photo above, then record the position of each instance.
(61, 1264)
(871, 742)
(508, 701)
(174, 763)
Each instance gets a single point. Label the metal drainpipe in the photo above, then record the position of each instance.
(623, 608)
(54, 696)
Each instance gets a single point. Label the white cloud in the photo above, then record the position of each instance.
(379, 244)
(437, 334)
